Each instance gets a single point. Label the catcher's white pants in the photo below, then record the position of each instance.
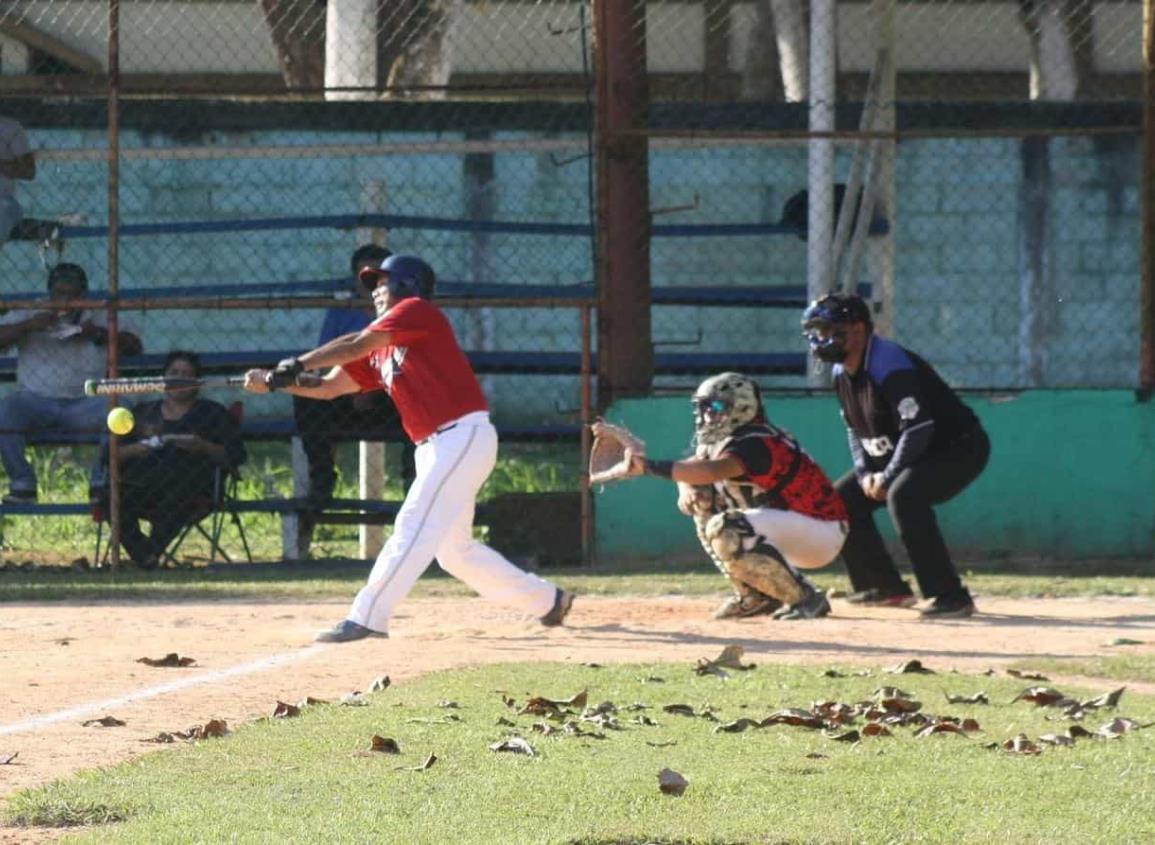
(436, 520)
(805, 542)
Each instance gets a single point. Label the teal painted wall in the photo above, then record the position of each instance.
(1072, 474)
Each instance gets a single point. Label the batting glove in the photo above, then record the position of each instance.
(285, 374)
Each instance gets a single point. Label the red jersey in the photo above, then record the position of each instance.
(779, 474)
(423, 370)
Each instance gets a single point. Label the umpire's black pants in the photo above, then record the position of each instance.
(911, 499)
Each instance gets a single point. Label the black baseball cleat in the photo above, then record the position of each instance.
(875, 597)
(346, 631)
(955, 606)
(562, 602)
(813, 606)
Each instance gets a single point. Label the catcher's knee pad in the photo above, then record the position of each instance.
(750, 559)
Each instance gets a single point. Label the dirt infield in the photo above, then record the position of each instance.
(61, 664)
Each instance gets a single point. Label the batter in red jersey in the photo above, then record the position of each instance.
(411, 351)
(762, 508)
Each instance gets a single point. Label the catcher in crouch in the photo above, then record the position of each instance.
(762, 508)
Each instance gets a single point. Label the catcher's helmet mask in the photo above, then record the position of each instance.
(722, 404)
(826, 321)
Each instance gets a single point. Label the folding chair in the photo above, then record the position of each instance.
(209, 513)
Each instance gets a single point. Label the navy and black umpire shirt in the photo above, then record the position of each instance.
(897, 409)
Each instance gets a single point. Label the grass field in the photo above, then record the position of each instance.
(313, 779)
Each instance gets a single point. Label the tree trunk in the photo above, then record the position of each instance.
(298, 31)
(416, 45)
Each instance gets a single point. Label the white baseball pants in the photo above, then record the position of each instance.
(805, 542)
(436, 520)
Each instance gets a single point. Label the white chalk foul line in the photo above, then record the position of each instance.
(152, 692)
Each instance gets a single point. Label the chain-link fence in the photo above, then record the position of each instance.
(697, 169)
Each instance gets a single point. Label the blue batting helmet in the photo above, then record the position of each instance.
(407, 275)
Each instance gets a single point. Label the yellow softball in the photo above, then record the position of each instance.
(120, 421)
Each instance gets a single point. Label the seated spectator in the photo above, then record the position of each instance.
(367, 416)
(57, 350)
(169, 463)
(17, 161)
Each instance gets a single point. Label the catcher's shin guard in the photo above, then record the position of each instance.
(750, 559)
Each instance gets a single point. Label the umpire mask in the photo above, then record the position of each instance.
(826, 321)
(723, 404)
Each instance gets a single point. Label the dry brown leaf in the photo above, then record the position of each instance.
(65, 640)
(211, 729)
(1021, 744)
(875, 729)
(833, 673)
(793, 717)
(899, 705)
(730, 658)
(643, 719)
(849, 736)
(592, 665)
(737, 726)
(539, 705)
(445, 720)
(679, 709)
(976, 698)
(514, 745)
(380, 684)
(971, 726)
(814, 755)
(311, 702)
(446, 704)
(671, 783)
(162, 738)
(665, 744)
(910, 667)
(170, 660)
(6, 759)
(545, 729)
(353, 699)
(284, 710)
(384, 744)
(890, 692)
(426, 764)
(940, 727)
(1042, 696)
(1107, 699)
(637, 705)
(103, 722)
(504, 722)
(1119, 726)
(598, 709)
(1056, 739)
(836, 712)
(1027, 675)
(1078, 731)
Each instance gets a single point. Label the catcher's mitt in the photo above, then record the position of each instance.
(613, 447)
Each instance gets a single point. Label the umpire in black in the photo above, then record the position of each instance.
(915, 444)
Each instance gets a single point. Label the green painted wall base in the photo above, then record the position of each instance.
(1072, 474)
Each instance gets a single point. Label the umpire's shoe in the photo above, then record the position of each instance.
(562, 602)
(956, 605)
(346, 631)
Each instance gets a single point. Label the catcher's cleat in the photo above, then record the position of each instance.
(562, 602)
(950, 607)
(346, 631)
(752, 604)
(813, 606)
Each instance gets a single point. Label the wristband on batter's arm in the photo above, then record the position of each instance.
(659, 469)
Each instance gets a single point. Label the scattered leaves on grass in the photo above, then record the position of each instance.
(1125, 641)
(162, 738)
(504, 722)
(637, 705)
(644, 720)
(380, 684)
(545, 729)
(976, 698)
(446, 704)
(910, 667)
(103, 722)
(1056, 739)
(213, 728)
(835, 673)
(653, 679)
(592, 665)
(1021, 744)
(514, 745)
(671, 783)
(311, 702)
(679, 709)
(875, 729)
(1027, 675)
(898, 705)
(730, 658)
(172, 660)
(736, 727)
(814, 755)
(971, 726)
(1078, 732)
(353, 699)
(445, 720)
(6, 759)
(384, 744)
(284, 710)
(665, 744)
